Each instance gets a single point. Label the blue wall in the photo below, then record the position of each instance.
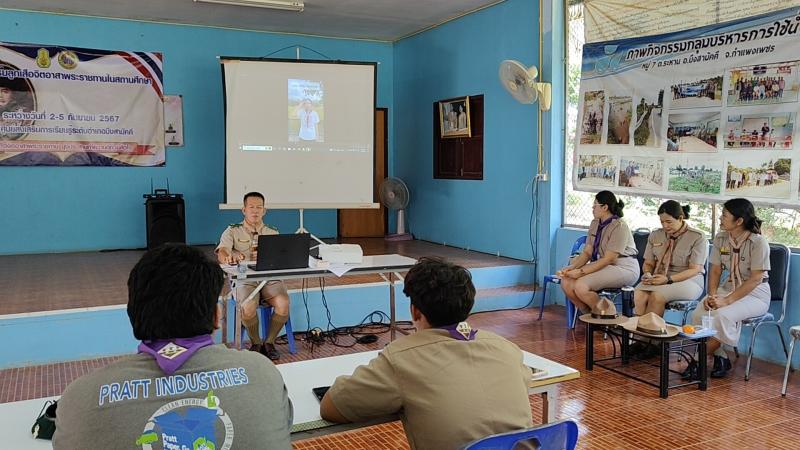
(84, 208)
(459, 58)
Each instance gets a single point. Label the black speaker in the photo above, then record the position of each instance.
(165, 219)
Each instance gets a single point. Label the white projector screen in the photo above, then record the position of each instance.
(300, 132)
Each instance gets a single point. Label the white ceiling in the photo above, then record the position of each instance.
(383, 20)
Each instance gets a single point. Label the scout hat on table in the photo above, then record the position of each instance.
(604, 313)
(651, 324)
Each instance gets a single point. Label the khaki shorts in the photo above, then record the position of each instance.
(268, 292)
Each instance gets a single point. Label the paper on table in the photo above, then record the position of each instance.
(338, 269)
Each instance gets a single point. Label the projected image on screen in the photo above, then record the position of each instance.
(306, 111)
(300, 132)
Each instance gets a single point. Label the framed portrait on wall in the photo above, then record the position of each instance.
(454, 118)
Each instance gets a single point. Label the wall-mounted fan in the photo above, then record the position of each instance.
(394, 195)
(520, 82)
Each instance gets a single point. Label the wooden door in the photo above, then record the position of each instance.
(370, 222)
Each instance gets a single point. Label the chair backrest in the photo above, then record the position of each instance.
(576, 247)
(640, 237)
(779, 259)
(556, 435)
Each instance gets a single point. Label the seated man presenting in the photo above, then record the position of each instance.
(449, 383)
(180, 390)
(239, 242)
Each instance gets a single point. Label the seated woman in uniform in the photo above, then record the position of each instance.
(743, 252)
(674, 261)
(608, 259)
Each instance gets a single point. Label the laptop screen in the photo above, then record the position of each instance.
(283, 251)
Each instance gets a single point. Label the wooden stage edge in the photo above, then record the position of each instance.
(58, 281)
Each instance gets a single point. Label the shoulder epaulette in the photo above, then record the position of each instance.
(235, 225)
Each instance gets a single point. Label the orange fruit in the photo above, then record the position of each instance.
(688, 329)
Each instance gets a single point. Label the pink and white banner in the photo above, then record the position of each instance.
(63, 106)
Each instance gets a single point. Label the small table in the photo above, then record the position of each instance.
(665, 345)
(387, 266)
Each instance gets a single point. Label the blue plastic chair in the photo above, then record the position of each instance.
(576, 249)
(265, 315)
(551, 436)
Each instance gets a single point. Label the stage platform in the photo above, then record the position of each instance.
(62, 281)
(73, 305)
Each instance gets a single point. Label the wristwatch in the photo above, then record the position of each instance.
(669, 279)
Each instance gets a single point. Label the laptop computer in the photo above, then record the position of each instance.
(282, 251)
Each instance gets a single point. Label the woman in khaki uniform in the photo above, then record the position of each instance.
(608, 259)
(743, 252)
(674, 261)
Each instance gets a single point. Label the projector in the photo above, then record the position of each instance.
(341, 253)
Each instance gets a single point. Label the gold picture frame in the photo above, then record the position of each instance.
(454, 118)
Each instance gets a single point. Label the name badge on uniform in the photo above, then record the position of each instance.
(244, 241)
(657, 244)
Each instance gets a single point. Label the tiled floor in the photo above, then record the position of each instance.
(613, 412)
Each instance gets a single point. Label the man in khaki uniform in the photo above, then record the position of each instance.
(239, 242)
(450, 384)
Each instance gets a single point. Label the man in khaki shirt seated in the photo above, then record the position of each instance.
(450, 384)
(239, 242)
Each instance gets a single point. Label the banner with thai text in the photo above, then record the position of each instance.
(705, 114)
(62, 106)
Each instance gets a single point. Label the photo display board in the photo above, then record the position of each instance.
(705, 114)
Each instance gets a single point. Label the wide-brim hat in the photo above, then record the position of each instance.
(604, 313)
(652, 325)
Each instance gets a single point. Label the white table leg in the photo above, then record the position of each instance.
(549, 395)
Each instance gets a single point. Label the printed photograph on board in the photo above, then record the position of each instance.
(594, 103)
(696, 175)
(693, 132)
(596, 170)
(697, 93)
(767, 131)
(619, 120)
(641, 172)
(764, 84)
(649, 118)
(767, 178)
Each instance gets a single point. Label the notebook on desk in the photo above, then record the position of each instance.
(282, 251)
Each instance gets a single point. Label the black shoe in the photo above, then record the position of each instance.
(255, 348)
(691, 372)
(721, 367)
(270, 352)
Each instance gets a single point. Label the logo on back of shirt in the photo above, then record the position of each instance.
(189, 424)
(171, 350)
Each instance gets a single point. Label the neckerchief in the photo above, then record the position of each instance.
(735, 272)
(666, 260)
(600, 227)
(170, 354)
(461, 331)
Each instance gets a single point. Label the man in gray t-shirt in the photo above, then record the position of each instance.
(180, 391)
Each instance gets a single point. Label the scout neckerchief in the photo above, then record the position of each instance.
(170, 354)
(600, 227)
(735, 272)
(461, 331)
(666, 261)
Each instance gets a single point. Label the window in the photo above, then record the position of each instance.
(780, 225)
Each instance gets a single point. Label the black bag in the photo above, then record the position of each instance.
(45, 424)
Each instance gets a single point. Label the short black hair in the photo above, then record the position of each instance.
(253, 194)
(173, 292)
(674, 209)
(741, 208)
(442, 291)
(609, 199)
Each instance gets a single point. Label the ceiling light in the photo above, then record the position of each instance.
(272, 4)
